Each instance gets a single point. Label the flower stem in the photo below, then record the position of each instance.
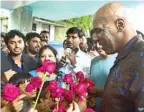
(57, 106)
(44, 79)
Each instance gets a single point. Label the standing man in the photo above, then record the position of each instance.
(20, 62)
(76, 58)
(124, 88)
(32, 43)
(44, 36)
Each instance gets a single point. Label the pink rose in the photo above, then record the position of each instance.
(81, 89)
(36, 82)
(89, 110)
(48, 66)
(89, 83)
(73, 86)
(69, 95)
(58, 93)
(79, 75)
(10, 92)
(29, 88)
(68, 78)
(52, 86)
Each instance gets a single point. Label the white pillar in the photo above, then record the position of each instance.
(52, 31)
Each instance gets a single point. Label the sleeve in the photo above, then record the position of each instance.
(137, 87)
(83, 64)
(85, 68)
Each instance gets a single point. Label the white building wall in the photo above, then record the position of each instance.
(52, 31)
(40, 27)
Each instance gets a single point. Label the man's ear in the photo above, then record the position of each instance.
(81, 41)
(120, 24)
(26, 44)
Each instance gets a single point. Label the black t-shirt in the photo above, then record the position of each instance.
(5, 63)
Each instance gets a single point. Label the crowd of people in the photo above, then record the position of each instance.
(113, 59)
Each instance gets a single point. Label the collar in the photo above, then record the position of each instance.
(128, 47)
(22, 58)
(79, 53)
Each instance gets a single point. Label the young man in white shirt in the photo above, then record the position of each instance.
(76, 60)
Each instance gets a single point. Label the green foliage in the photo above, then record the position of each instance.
(84, 23)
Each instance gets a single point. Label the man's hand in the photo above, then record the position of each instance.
(91, 101)
(8, 74)
(17, 104)
(97, 92)
(74, 107)
(45, 106)
(62, 60)
(72, 59)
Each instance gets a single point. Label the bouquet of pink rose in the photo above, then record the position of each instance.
(48, 67)
(74, 88)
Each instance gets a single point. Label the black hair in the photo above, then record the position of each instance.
(74, 30)
(90, 44)
(47, 47)
(55, 54)
(82, 33)
(18, 78)
(31, 35)
(2, 35)
(12, 34)
(91, 32)
(44, 31)
(64, 42)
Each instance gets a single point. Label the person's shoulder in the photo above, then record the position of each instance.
(26, 56)
(96, 59)
(137, 57)
(138, 54)
(30, 62)
(139, 46)
(113, 56)
(29, 58)
(3, 53)
(81, 53)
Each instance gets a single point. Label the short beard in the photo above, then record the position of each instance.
(14, 54)
(33, 52)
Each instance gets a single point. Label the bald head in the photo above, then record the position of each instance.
(111, 26)
(111, 11)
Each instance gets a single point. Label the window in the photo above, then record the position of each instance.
(34, 27)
